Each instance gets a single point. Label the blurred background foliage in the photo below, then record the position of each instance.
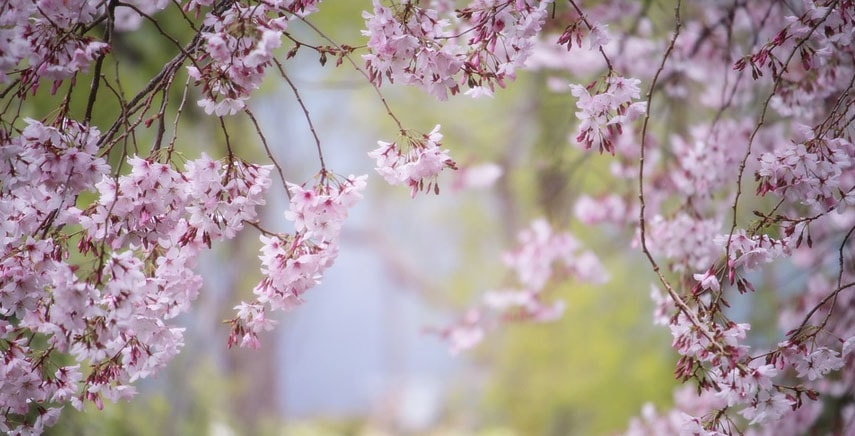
(585, 374)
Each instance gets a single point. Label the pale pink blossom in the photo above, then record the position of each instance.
(477, 176)
(603, 114)
(417, 166)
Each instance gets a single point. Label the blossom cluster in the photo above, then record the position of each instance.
(96, 260)
(732, 379)
(418, 165)
(43, 35)
(692, 214)
(603, 209)
(82, 323)
(43, 170)
(480, 46)
(815, 43)
(705, 165)
(815, 172)
(238, 48)
(542, 256)
(294, 263)
(686, 238)
(603, 114)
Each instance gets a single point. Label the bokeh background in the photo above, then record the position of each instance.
(356, 358)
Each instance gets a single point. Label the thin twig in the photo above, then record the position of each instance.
(269, 153)
(305, 112)
(642, 222)
(761, 121)
(591, 28)
(361, 71)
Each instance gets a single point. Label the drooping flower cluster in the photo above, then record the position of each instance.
(542, 254)
(294, 263)
(238, 50)
(705, 162)
(100, 317)
(687, 239)
(476, 176)
(418, 165)
(44, 34)
(410, 50)
(692, 212)
(815, 172)
(679, 420)
(604, 209)
(810, 57)
(96, 261)
(603, 115)
(481, 46)
(205, 201)
(541, 257)
(503, 34)
(715, 354)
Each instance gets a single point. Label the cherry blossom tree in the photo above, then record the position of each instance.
(103, 222)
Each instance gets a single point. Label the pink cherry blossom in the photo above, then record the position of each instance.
(416, 166)
(603, 114)
(104, 215)
(292, 264)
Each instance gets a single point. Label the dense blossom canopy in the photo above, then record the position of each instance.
(100, 238)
